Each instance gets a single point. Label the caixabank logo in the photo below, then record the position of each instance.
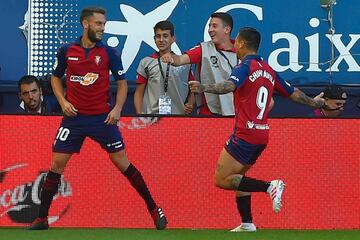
(129, 28)
(20, 201)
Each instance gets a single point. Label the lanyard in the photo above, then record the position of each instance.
(166, 77)
(228, 61)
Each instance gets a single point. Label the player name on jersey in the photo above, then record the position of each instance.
(261, 73)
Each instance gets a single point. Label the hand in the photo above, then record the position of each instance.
(113, 116)
(167, 58)
(188, 108)
(320, 101)
(68, 109)
(195, 87)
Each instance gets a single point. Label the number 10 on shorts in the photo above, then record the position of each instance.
(63, 133)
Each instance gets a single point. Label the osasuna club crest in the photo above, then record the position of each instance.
(97, 60)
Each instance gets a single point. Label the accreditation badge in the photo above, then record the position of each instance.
(164, 104)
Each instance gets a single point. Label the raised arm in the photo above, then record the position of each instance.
(176, 60)
(300, 97)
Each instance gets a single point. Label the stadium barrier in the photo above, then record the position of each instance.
(317, 158)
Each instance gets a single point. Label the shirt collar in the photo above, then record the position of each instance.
(252, 56)
(78, 41)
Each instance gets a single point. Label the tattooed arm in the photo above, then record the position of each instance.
(300, 97)
(217, 88)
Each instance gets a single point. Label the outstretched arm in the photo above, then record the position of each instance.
(301, 97)
(176, 60)
(217, 88)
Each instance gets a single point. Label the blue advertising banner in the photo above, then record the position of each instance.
(302, 40)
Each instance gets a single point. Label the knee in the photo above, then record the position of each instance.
(120, 160)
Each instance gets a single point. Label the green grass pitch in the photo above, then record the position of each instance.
(173, 234)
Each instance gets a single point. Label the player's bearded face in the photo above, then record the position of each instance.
(96, 27)
(95, 36)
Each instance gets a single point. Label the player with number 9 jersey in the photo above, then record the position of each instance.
(255, 82)
(252, 83)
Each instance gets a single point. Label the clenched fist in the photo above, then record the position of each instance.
(195, 87)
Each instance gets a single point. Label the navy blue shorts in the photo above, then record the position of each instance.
(244, 152)
(73, 131)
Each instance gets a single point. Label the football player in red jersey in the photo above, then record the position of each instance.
(87, 110)
(252, 83)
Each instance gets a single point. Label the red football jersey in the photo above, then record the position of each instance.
(87, 75)
(256, 82)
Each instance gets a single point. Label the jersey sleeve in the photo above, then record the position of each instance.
(142, 72)
(239, 74)
(60, 61)
(115, 64)
(140, 79)
(283, 87)
(194, 54)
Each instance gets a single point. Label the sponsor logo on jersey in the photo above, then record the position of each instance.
(252, 125)
(86, 80)
(73, 58)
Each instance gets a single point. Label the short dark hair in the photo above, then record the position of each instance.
(89, 11)
(251, 37)
(335, 92)
(225, 17)
(28, 79)
(165, 25)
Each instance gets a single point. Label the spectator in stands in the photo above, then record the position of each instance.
(157, 81)
(335, 99)
(32, 99)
